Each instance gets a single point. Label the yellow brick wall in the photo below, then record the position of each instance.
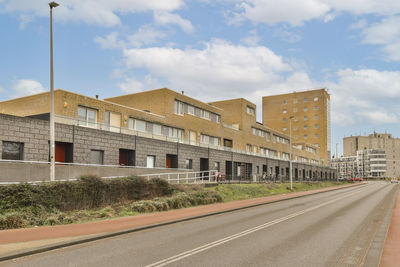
(160, 101)
(273, 107)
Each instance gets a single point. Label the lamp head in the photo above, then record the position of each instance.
(53, 4)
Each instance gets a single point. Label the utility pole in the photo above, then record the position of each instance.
(52, 134)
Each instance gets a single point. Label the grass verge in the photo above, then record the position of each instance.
(92, 198)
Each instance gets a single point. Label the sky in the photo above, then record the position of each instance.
(213, 50)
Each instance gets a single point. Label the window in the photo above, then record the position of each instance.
(258, 169)
(305, 136)
(250, 110)
(305, 108)
(248, 148)
(87, 117)
(97, 157)
(315, 99)
(315, 117)
(112, 121)
(315, 107)
(206, 115)
(189, 164)
(284, 111)
(217, 166)
(12, 150)
(294, 110)
(305, 99)
(295, 128)
(126, 157)
(140, 125)
(178, 107)
(295, 101)
(211, 140)
(284, 129)
(315, 135)
(285, 155)
(305, 118)
(305, 127)
(157, 129)
(151, 161)
(284, 102)
(190, 110)
(316, 144)
(316, 126)
(284, 119)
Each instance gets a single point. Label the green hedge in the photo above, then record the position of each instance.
(86, 193)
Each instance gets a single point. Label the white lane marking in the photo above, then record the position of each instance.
(244, 233)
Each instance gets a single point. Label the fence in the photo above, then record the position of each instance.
(199, 177)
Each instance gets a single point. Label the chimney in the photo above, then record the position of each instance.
(97, 96)
(183, 92)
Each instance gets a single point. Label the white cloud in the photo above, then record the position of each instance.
(252, 39)
(165, 18)
(220, 65)
(27, 87)
(387, 34)
(145, 35)
(222, 70)
(296, 13)
(292, 12)
(132, 85)
(110, 41)
(367, 95)
(378, 117)
(99, 12)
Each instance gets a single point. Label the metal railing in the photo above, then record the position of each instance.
(181, 177)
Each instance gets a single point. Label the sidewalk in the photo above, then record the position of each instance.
(391, 249)
(26, 241)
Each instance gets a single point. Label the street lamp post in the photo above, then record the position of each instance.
(290, 153)
(52, 138)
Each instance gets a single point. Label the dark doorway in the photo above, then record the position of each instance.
(296, 174)
(287, 173)
(171, 161)
(127, 157)
(63, 152)
(228, 170)
(276, 172)
(204, 167)
(249, 170)
(304, 174)
(264, 171)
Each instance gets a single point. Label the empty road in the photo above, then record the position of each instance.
(338, 228)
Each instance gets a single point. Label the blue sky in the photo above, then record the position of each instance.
(213, 50)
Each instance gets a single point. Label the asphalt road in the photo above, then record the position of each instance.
(337, 228)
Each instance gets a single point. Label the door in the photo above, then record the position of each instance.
(204, 167)
(60, 152)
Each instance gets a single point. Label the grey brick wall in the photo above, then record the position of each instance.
(34, 134)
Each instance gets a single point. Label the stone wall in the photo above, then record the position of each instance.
(34, 134)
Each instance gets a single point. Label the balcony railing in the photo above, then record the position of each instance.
(124, 130)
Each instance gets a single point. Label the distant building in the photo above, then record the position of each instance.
(376, 141)
(310, 112)
(346, 166)
(368, 164)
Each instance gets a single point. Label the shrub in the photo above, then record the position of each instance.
(12, 220)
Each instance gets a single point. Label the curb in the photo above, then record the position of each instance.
(46, 248)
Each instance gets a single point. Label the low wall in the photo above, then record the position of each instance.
(28, 172)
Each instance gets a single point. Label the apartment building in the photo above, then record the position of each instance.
(368, 163)
(309, 112)
(345, 166)
(376, 141)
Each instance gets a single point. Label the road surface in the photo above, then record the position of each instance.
(336, 228)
